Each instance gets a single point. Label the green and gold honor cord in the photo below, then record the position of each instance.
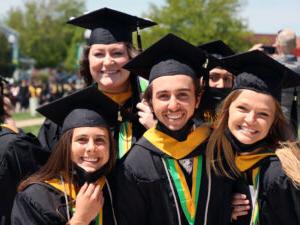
(188, 200)
(125, 138)
(255, 212)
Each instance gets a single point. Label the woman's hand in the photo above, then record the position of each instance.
(240, 204)
(146, 117)
(89, 201)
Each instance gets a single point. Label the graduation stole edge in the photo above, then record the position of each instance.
(64, 187)
(125, 138)
(188, 200)
(255, 181)
(125, 129)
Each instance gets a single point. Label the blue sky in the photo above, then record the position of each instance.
(262, 16)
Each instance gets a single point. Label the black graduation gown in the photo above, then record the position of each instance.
(20, 156)
(42, 204)
(144, 195)
(50, 132)
(279, 199)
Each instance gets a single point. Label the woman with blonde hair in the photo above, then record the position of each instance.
(252, 140)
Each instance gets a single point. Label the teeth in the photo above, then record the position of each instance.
(174, 117)
(110, 72)
(89, 159)
(248, 130)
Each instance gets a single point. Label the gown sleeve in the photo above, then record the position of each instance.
(37, 205)
(280, 202)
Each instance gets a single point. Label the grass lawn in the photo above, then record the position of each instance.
(33, 129)
(24, 116)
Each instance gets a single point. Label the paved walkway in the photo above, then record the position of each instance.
(29, 122)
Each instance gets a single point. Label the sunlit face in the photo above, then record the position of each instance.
(220, 78)
(173, 100)
(90, 147)
(250, 116)
(106, 62)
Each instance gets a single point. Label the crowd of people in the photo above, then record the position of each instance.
(174, 134)
(21, 93)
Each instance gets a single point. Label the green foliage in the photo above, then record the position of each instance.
(44, 34)
(73, 56)
(199, 21)
(6, 66)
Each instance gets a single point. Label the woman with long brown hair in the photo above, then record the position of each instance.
(252, 140)
(72, 186)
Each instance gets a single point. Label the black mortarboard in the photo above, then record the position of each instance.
(216, 50)
(171, 55)
(83, 108)
(110, 26)
(259, 72)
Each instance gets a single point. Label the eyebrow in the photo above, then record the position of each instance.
(177, 90)
(247, 104)
(84, 135)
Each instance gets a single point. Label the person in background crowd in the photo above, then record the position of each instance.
(252, 140)
(285, 45)
(72, 187)
(23, 96)
(109, 48)
(20, 155)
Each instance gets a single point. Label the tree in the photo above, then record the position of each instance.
(6, 66)
(44, 34)
(199, 21)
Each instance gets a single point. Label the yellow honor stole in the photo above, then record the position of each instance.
(178, 150)
(119, 98)
(125, 131)
(70, 191)
(172, 147)
(7, 126)
(244, 163)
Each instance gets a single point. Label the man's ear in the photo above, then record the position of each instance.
(198, 99)
(201, 82)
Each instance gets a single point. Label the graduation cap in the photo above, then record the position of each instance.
(82, 108)
(216, 50)
(110, 26)
(171, 55)
(259, 72)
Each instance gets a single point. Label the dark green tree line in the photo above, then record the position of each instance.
(44, 34)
